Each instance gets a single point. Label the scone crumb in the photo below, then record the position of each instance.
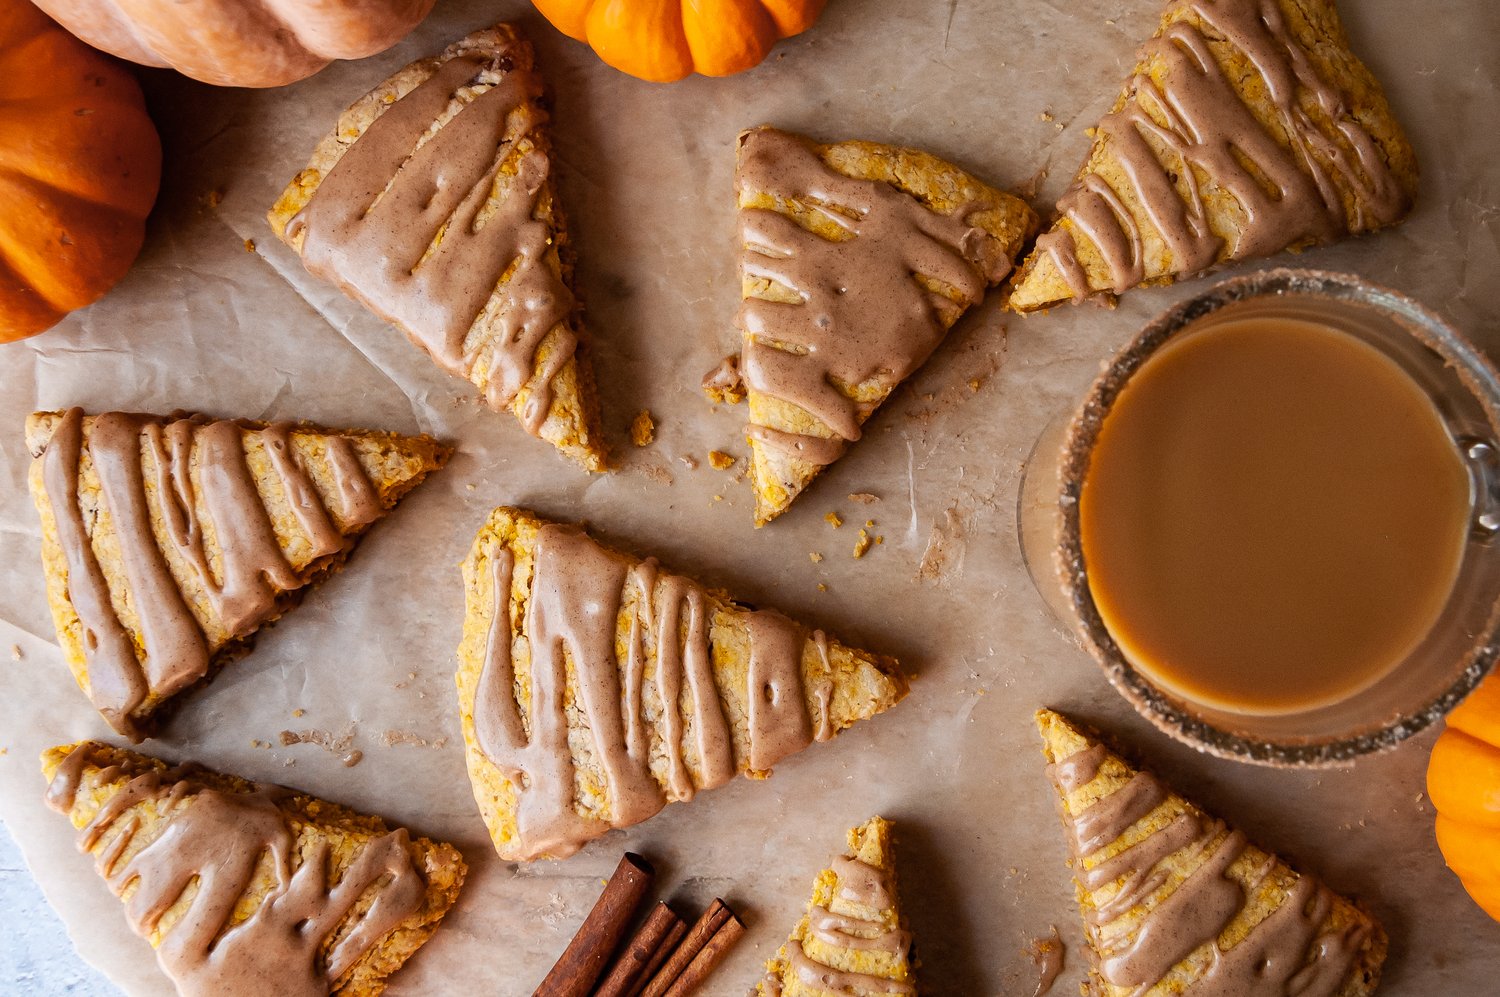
(1044, 116)
(863, 498)
(213, 198)
(814, 557)
(869, 522)
(249, 245)
(15, 652)
(643, 429)
(298, 712)
(822, 587)
(975, 383)
(833, 519)
(720, 461)
(862, 544)
(879, 539)
(718, 498)
(691, 463)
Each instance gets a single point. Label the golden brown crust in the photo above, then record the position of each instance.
(395, 465)
(572, 423)
(1008, 223)
(345, 831)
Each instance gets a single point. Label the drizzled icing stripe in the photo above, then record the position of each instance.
(1285, 955)
(216, 841)
(864, 887)
(1288, 183)
(578, 590)
(200, 481)
(403, 223)
(862, 316)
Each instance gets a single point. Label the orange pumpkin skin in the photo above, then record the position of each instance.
(240, 43)
(79, 166)
(665, 40)
(1463, 782)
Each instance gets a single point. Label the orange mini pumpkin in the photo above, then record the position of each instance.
(240, 43)
(665, 40)
(79, 165)
(1463, 781)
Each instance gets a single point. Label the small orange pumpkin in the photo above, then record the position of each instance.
(79, 166)
(240, 43)
(1463, 781)
(665, 40)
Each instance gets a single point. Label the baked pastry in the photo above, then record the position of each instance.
(594, 688)
(1176, 902)
(857, 260)
(167, 542)
(1247, 127)
(432, 204)
(245, 889)
(853, 939)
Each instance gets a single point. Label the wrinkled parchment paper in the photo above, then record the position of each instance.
(207, 321)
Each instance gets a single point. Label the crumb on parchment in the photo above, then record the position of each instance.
(814, 557)
(833, 519)
(691, 463)
(863, 498)
(249, 245)
(862, 544)
(720, 461)
(15, 652)
(643, 429)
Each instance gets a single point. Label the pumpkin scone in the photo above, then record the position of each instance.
(168, 541)
(853, 939)
(594, 688)
(858, 258)
(246, 889)
(1246, 128)
(1175, 902)
(432, 203)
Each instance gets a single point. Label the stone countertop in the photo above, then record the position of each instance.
(35, 954)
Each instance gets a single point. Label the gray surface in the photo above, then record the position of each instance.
(35, 954)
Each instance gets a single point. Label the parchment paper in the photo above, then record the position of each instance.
(1005, 87)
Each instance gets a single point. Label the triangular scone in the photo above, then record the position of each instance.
(432, 203)
(853, 939)
(167, 542)
(1247, 127)
(252, 889)
(1176, 902)
(857, 260)
(594, 688)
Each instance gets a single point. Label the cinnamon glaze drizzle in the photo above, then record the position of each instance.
(1285, 955)
(1193, 130)
(863, 317)
(578, 590)
(403, 224)
(195, 474)
(864, 887)
(215, 846)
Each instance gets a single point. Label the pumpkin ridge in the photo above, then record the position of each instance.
(66, 283)
(117, 191)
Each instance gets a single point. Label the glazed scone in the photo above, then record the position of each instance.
(1175, 902)
(853, 939)
(857, 260)
(244, 889)
(594, 688)
(168, 541)
(1247, 127)
(432, 203)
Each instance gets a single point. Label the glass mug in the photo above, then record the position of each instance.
(1443, 667)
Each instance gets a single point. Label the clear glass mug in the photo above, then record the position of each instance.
(1456, 654)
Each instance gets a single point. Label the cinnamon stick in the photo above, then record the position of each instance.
(581, 963)
(708, 958)
(663, 953)
(703, 929)
(639, 952)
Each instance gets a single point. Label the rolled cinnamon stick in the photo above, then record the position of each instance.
(639, 952)
(708, 958)
(578, 969)
(703, 929)
(663, 953)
